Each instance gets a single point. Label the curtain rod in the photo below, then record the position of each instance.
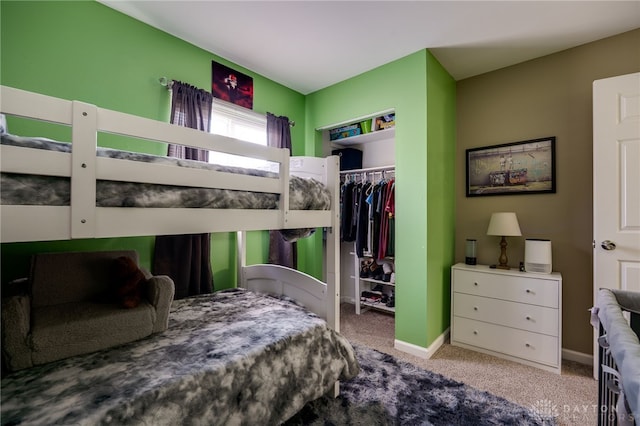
(164, 81)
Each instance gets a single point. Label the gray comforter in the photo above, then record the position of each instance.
(26, 189)
(231, 358)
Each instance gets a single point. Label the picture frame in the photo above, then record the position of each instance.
(231, 86)
(525, 167)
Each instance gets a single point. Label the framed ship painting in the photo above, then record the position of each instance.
(231, 86)
(527, 167)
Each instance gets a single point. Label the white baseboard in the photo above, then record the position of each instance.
(427, 353)
(419, 351)
(579, 357)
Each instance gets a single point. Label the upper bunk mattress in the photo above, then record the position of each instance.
(231, 357)
(28, 189)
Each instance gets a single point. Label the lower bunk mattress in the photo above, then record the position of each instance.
(231, 357)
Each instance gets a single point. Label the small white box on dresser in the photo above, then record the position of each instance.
(507, 313)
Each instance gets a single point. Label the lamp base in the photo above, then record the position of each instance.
(503, 259)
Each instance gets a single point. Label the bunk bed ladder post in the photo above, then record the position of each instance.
(84, 137)
(333, 245)
(241, 247)
(332, 251)
(284, 180)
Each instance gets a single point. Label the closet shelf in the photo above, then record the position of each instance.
(369, 128)
(366, 137)
(380, 306)
(371, 280)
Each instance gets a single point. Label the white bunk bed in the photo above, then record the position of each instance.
(83, 219)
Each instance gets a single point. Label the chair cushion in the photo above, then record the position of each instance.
(69, 329)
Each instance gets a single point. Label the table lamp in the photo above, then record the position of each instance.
(504, 224)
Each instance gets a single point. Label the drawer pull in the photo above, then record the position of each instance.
(475, 308)
(528, 291)
(475, 332)
(475, 283)
(527, 345)
(528, 318)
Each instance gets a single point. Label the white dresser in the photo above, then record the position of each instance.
(507, 313)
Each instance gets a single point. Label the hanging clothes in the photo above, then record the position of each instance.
(346, 207)
(368, 216)
(384, 220)
(353, 227)
(390, 210)
(362, 222)
(377, 217)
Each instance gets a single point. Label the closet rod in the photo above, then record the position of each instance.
(369, 169)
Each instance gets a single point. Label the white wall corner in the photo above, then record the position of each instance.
(420, 351)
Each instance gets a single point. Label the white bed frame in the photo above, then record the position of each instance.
(82, 219)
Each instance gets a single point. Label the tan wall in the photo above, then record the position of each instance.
(549, 96)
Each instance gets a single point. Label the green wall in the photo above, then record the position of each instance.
(419, 90)
(89, 52)
(441, 154)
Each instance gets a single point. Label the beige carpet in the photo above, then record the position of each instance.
(572, 396)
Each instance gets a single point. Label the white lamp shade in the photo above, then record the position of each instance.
(504, 224)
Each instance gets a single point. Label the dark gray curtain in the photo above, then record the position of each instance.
(281, 252)
(187, 258)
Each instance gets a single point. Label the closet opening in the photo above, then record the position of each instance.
(366, 147)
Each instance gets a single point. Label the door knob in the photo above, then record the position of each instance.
(608, 245)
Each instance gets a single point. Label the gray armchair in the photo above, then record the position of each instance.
(67, 310)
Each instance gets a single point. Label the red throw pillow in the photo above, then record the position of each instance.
(129, 282)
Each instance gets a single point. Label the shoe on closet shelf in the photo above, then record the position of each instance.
(387, 269)
(376, 272)
(365, 268)
(391, 302)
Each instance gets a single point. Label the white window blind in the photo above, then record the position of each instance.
(231, 120)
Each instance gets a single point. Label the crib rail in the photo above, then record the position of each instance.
(608, 383)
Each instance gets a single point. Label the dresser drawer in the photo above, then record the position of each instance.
(538, 319)
(518, 343)
(534, 291)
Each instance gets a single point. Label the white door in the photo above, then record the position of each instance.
(616, 183)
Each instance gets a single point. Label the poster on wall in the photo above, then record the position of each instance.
(231, 86)
(526, 167)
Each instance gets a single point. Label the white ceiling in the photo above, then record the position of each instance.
(308, 45)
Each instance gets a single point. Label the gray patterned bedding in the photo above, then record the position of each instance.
(23, 189)
(231, 358)
(27, 189)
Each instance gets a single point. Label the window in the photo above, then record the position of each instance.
(241, 123)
